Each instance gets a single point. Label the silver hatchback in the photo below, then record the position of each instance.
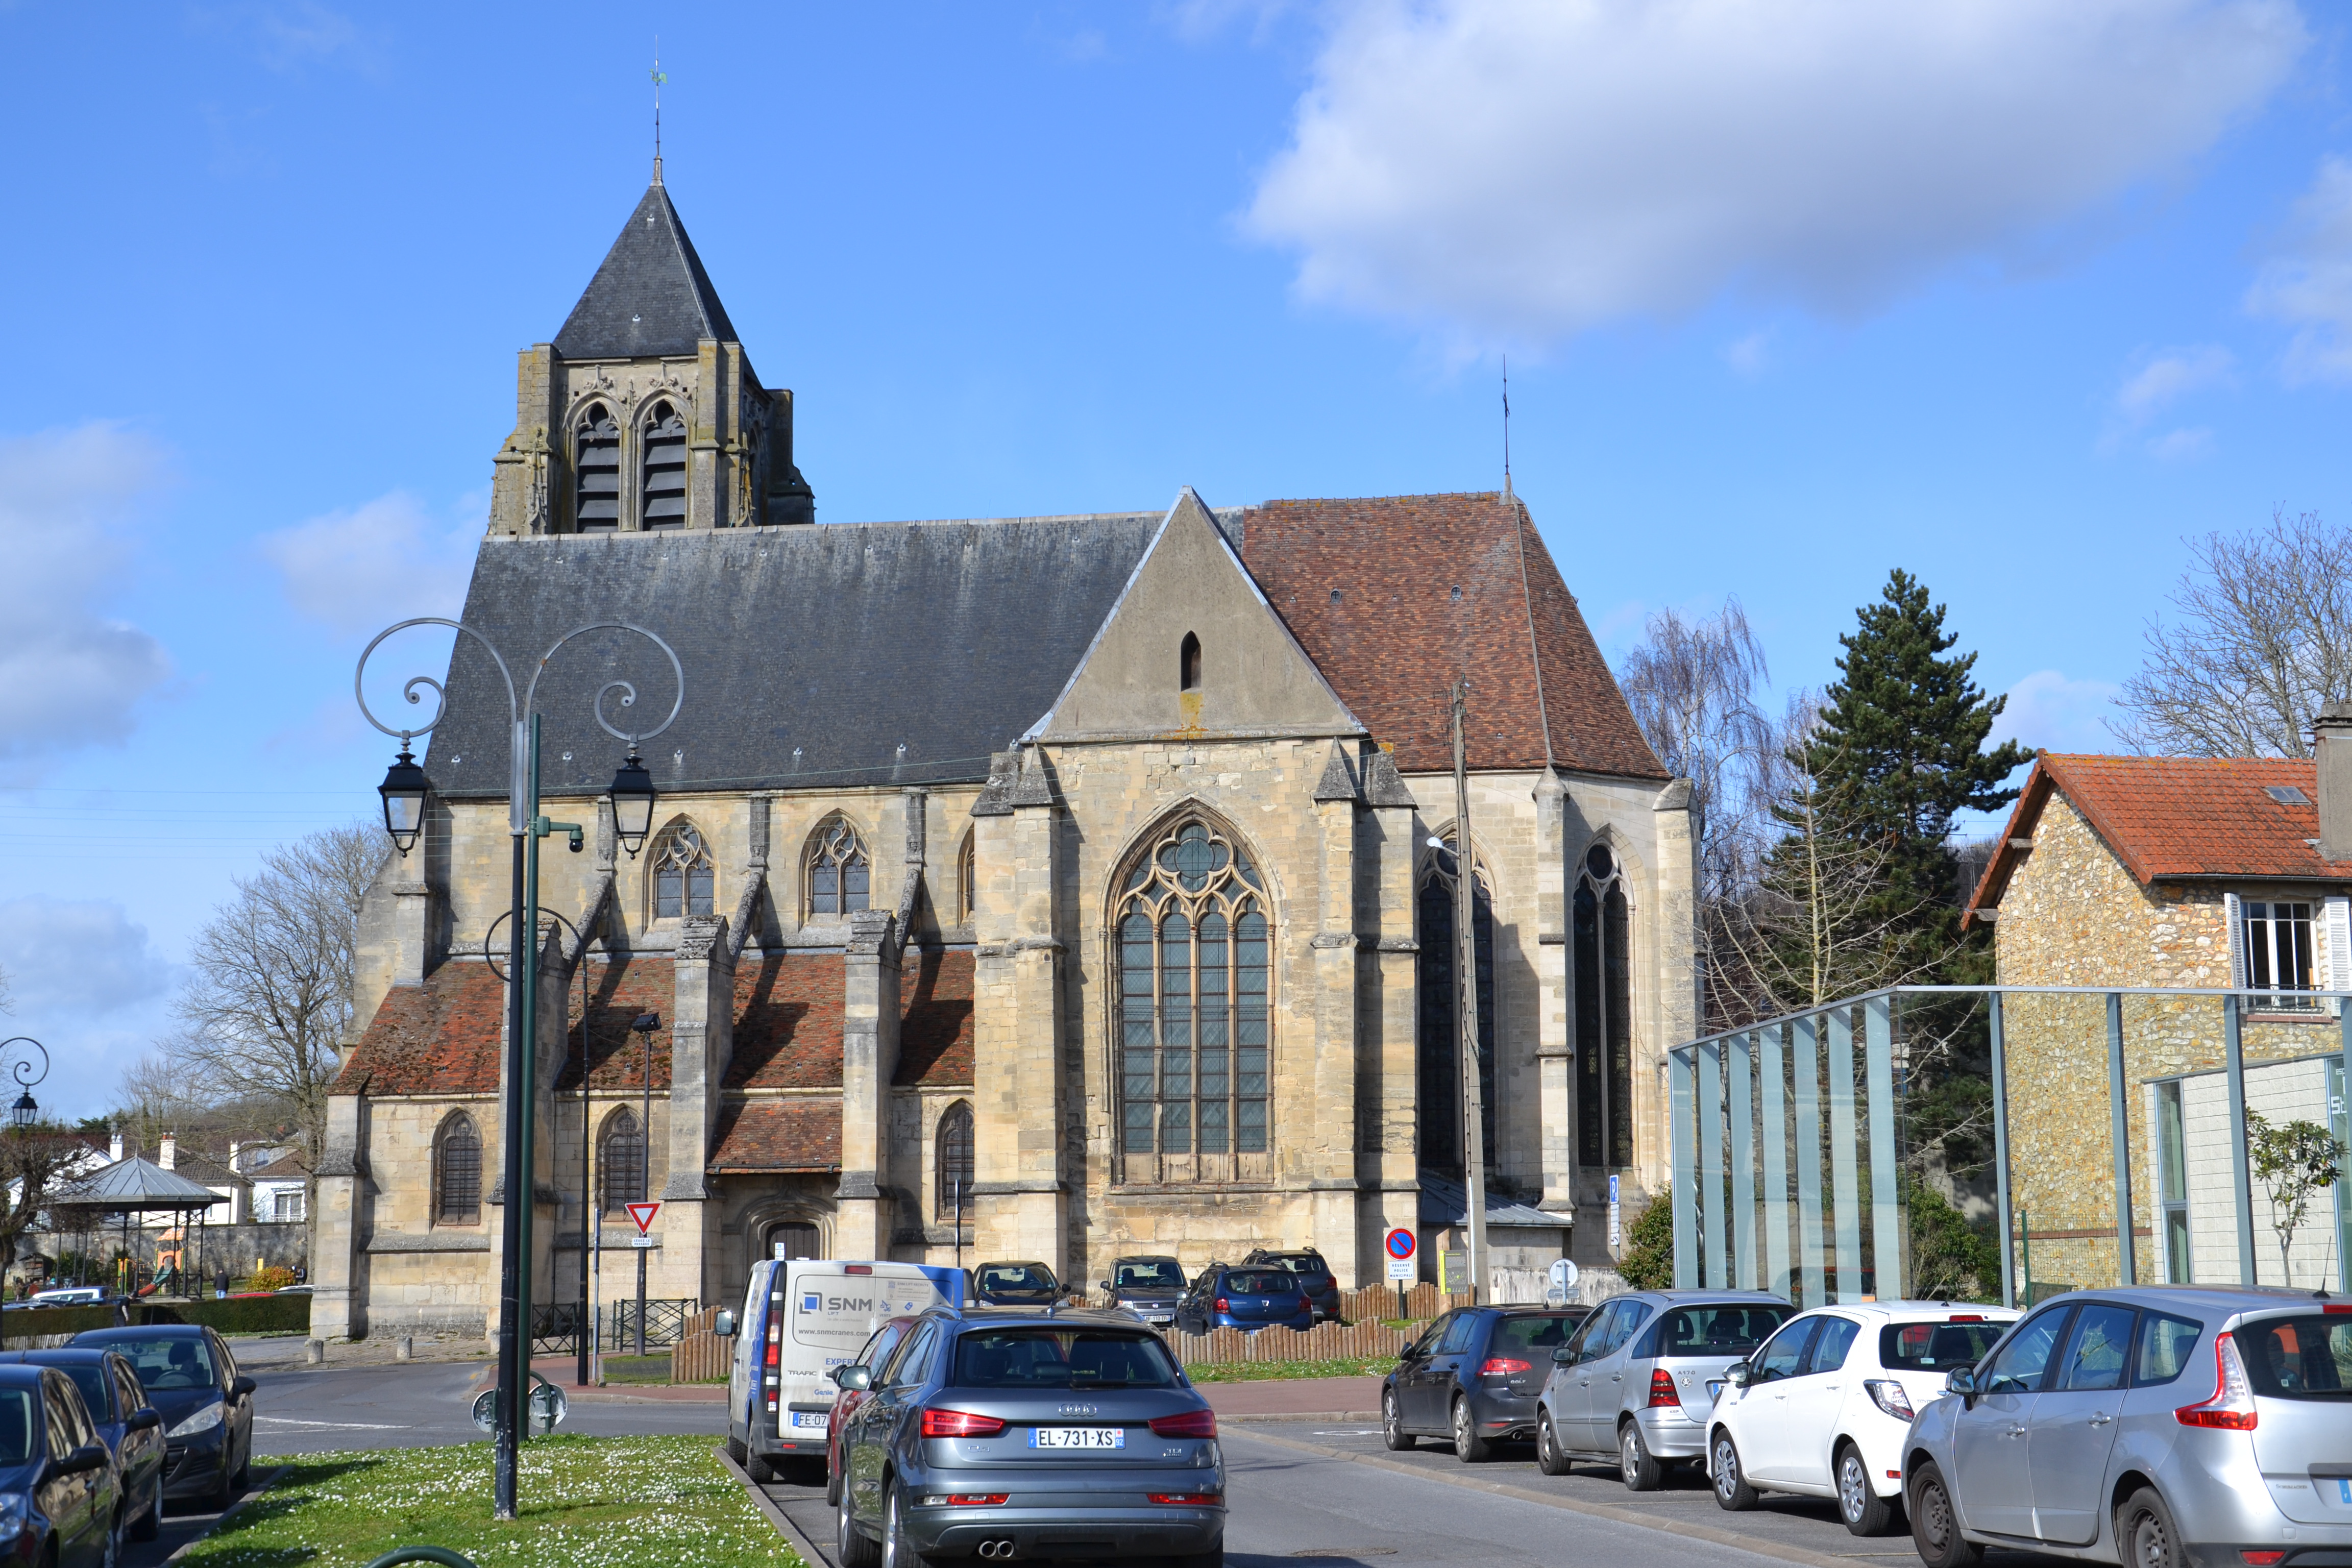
(2162, 1426)
(1635, 1385)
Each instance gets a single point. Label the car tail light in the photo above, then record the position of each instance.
(1191, 1424)
(1890, 1396)
(968, 1500)
(1305, 1303)
(1661, 1388)
(775, 1354)
(1186, 1500)
(1965, 1318)
(1502, 1366)
(2336, 1309)
(1223, 1305)
(960, 1423)
(2231, 1407)
(2260, 1558)
(857, 1269)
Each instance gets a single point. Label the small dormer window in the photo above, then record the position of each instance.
(2286, 794)
(596, 468)
(1188, 664)
(663, 491)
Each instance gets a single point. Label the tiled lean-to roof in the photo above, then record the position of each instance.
(2178, 819)
(777, 1135)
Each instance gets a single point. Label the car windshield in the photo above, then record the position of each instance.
(1155, 1274)
(1718, 1330)
(16, 1426)
(170, 1364)
(2307, 1357)
(1533, 1331)
(1061, 1358)
(1301, 1262)
(1935, 1346)
(1016, 1278)
(1261, 1282)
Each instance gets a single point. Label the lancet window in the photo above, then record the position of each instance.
(662, 495)
(683, 880)
(596, 470)
(840, 877)
(1439, 1042)
(457, 1172)
(1599, 927)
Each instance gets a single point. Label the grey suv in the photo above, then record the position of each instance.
(1635, 1383)
(1008, 1433)
(2160, 1425)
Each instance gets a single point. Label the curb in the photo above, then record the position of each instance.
(1254, 1417)
(784, 1526)
(1706, 1532)
(252, 1493)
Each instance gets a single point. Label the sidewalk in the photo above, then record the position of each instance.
(1297, 1398)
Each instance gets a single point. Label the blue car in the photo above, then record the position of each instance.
(1246, 1298)
(60, 1495)
(130, 1429)
(205, 1403)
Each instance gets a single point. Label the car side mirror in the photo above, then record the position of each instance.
(1564, 1356)
(242, 1386)
(1737, 1374)
(89, 1457)
(1103, 1286)
(855, 1379)
(724, 1324)
(145, 1417)
(1962, 1382)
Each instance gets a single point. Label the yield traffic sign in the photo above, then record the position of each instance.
(644, 1214)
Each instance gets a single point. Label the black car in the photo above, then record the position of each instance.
(60, 1495)
(130, 1429)
(1322, 1285)
(207, 1403)
(1015, 1285)
(1147, 1287)
(1473, 1377)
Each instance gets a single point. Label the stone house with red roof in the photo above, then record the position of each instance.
(1090, 876)
(2187, 872)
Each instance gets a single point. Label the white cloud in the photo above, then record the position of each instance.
(2183, 444)
(2055, 711)
(1748, 355)
(364, 569)
(2165, 376)
(69, 674)
(81, 957)
(2308, 283)
(1523, 169)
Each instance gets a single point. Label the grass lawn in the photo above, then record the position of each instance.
(586, 1502)
(1268, 1371)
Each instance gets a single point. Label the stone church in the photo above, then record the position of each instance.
(1089, 878)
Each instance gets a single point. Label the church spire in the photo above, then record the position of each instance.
(650, 297)
(658, 79)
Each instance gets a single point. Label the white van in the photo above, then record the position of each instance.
(801, 1319)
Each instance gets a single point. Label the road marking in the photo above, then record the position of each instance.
(334, 1426)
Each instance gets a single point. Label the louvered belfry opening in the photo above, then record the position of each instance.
(665, 468)
(596, 460)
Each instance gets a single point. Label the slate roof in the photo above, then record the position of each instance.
(650, 296)
(844, 641)
(2178, 819)
(133, 1184)
(1395, 639)
(1445, 1201)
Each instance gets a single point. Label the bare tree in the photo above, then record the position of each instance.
(2261, 637)
(1691, 686)
(270, 996)
(31, 1161)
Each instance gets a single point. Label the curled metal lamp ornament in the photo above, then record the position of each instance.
(26, 1108)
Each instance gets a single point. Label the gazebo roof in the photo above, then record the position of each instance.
(138, 1185)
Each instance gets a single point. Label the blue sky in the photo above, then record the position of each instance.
(2011, 295)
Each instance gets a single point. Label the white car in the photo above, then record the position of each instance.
(1820, 1409)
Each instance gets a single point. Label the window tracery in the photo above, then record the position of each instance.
(840, 876)
(1600, 928)
(681, 876)
(621, 1162)
(457, 1172)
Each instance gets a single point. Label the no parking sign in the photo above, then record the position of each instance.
(1401, 1246)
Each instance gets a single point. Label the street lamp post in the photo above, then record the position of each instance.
(646, 1025)
(404, 789)
(27, 1110)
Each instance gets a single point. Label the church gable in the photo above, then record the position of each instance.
(1192, 647)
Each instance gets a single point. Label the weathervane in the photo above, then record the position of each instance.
(658, 79)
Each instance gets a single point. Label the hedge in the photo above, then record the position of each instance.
(245, 1315)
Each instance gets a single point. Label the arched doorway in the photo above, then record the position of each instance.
(794, 1239)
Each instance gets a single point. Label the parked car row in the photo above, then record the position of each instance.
(2158, 1426)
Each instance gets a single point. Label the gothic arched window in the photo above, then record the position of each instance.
(954, 1162)
(596, 470)
(621, 1162)
(457, 1172)
(682, 877)
(967, 879)
(1193, 957)
(1188, 664)
(1438, 1045)
(661, 498)
(840, 879)
(1600, 925)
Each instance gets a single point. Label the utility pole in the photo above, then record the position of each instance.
(1465, 966)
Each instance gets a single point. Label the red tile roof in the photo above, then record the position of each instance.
(1396, 638)
(440, 1038)
(2175, 818)
(935, 1034)
(788, 1023)
(778, 1135)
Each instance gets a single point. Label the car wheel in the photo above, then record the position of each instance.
(898, 1551)
(849, 1546)
(1468, 1447)
(1936, 1526)
(1732, 1491)
(1635, 1462)
(244, 1467)
(1550, 1458)
(112, 1557)
(2145, 1536)
(736, 1451)
(1859, 1504)
(1393, 1430)
(149, 1524)
(832, 1484)
(760, 1469)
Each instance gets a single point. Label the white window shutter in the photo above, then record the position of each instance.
(2234, 912)
(2336, 946)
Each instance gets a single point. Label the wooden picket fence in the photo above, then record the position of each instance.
(700, 1355)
